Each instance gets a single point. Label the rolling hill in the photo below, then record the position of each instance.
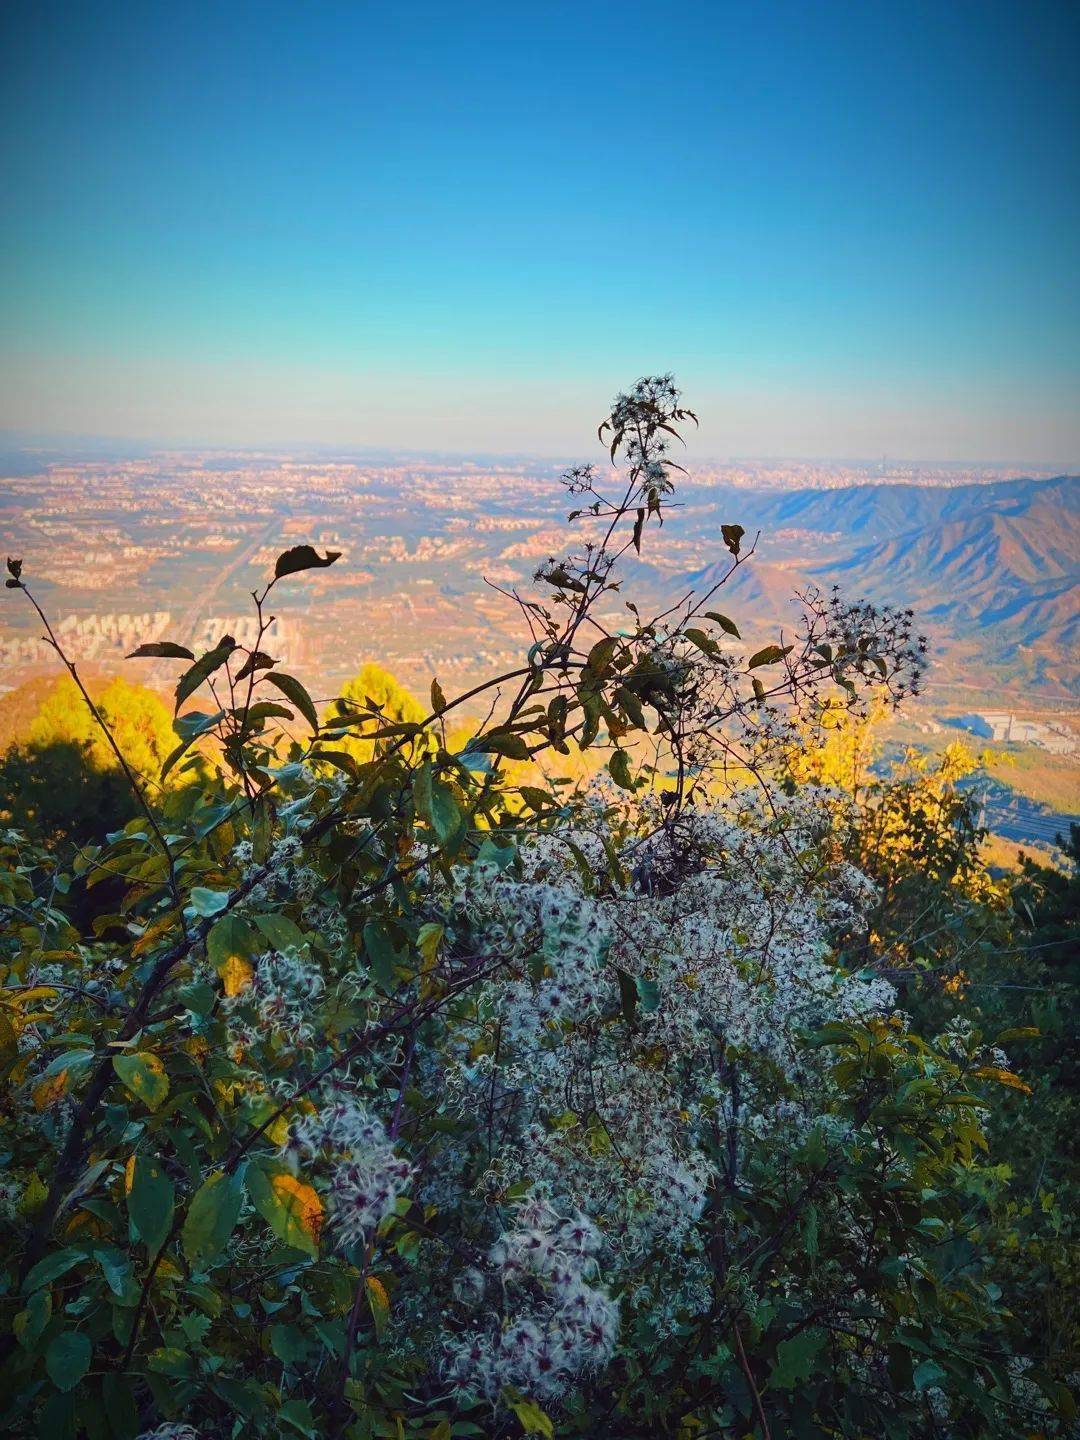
(993, 566)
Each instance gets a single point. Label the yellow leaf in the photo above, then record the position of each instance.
(39, 992)
(301, 1200)
(152, 934)
(279, 1131)
(428, 942)
(533, 1420)
(33, 1197)
(48, 1091)
(379, 1301)
(83, 1220)
(1003, 1077)
(129, 1175)
(236, 974)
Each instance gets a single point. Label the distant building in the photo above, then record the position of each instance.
(1004, 727)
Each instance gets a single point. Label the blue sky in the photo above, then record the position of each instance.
(848, 228)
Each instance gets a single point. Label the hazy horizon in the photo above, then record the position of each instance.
(73, 448)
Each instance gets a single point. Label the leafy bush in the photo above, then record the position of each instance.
(404, 1093)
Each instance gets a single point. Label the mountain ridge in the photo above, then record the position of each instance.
(997, 561)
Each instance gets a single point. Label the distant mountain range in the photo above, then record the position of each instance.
(995, 567)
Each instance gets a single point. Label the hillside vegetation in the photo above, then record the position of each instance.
(635, 1061)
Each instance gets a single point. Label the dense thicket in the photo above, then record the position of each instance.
(379, 1084)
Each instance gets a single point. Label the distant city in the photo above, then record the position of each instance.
(170, 546)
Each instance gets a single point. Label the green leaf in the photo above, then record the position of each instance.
(171, 1360)
(173, 756)
(536, 798)
(648, 994)
(705, 643)
(602, 654)
(144, 1075)
(378, 1303)
(68, 1359)
(728, 626)
(291, 688)
(115, 1266)
(769, 655)
(435, 803)
(51, 1268)
(282, 933)
(428, 940)
(28, 1324)
(263, 710)
(195, 1327)
(72, 1061)
(795, 1359)
(512, 746)
(257, 660)
(150, 1203)
(208, 902)
(289, 1343)
(383, 955)
(189, 727)
(927, 1374)
(637, 994)
(230, 942)
(499, 853)
(297, 1414)
(212, 1216)
(813, 1152)
(303, 557)
(340, 760)
(194, 723)
(119, 1397)
(619, 769)
(203, 668)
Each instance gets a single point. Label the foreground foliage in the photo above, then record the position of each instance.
(397, 1091)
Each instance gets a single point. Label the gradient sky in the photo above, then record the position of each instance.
(850, 229)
